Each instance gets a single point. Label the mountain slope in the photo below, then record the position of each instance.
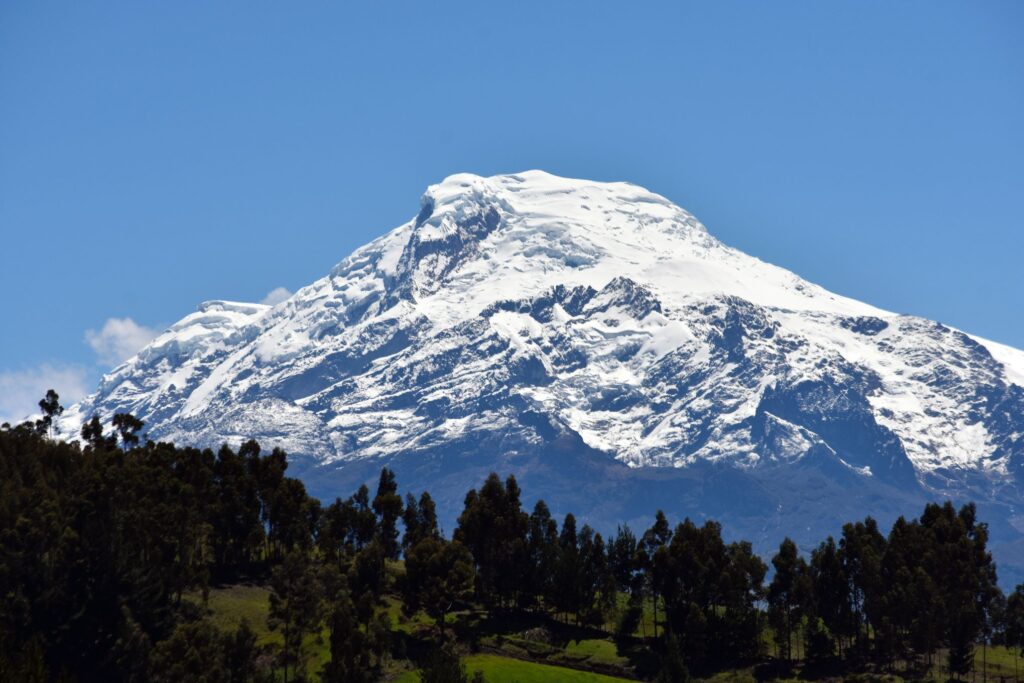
(597, 340)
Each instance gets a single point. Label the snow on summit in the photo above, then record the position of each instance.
(583, 233)
(540, 318)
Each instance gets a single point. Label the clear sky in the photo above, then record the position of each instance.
(155, 155)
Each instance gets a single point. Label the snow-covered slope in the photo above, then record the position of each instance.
(548, 326)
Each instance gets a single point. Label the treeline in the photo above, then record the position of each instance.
(105, 546)
(98, 546)
(891, 602)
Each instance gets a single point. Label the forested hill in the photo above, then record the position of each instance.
(110, 553)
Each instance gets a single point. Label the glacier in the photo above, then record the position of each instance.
(598, 342)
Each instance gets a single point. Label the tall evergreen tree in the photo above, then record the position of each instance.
(419, 520)
(51, 407)
(1013, 624)
(364, 521)
(595, 584)
(128, 427)
(965, 576)
(861, 549)
(673, 670)
(653, 539)
(428, 516)
(740, 589)
(831, 591)
(622, 559)
(494, 527)
(349, 647)
(786, 594)
(92, 435)
(335, 531)
(542, 549)
(566, 594)
(296, 607)
(438, 574)
(387, 505)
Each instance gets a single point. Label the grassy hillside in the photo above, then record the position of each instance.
(516, 656)
(497, 669)
(228, 606)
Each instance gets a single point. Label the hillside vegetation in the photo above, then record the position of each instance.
(128, 560)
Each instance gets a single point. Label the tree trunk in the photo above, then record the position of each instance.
(285, 658)
(654, 602)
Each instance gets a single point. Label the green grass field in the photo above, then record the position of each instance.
(594, 651)
(228, 606)
(507, 670)
(406, 624)
(646, 625)
(999, 661)
(994, 663)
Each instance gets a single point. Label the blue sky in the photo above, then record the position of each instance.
(155, 155)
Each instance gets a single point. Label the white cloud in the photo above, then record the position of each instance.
(118, 340)
(276, 296)
(21, 390)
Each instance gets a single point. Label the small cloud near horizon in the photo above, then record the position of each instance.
(21, 390)
(276, 296)
(118, 340)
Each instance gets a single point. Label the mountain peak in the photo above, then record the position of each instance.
(540, 193)
(530, 316)
(521, 229)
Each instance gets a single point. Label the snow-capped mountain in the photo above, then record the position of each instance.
(596, 340)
